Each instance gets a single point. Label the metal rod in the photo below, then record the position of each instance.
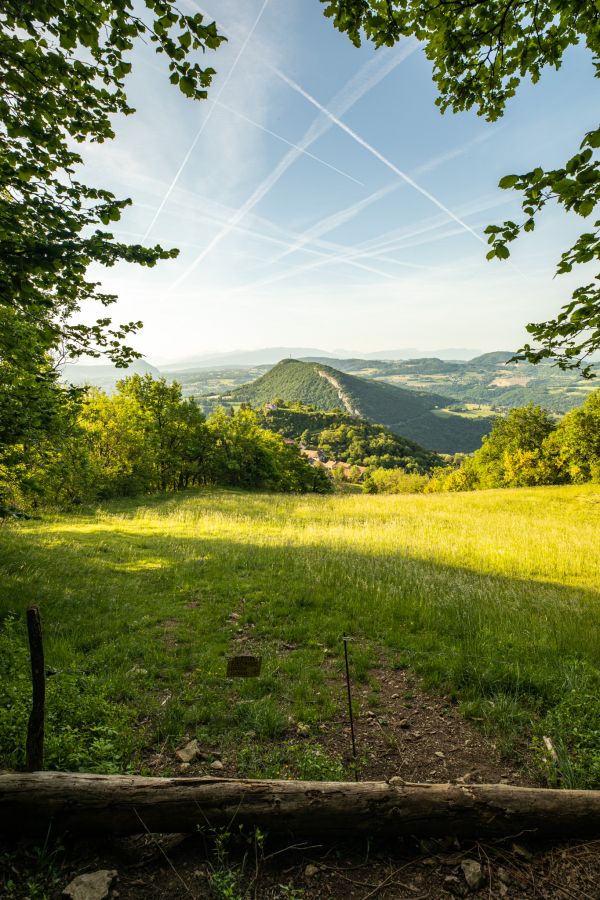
(345, 640)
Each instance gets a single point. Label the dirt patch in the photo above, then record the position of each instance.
(168, 867)
(418, 736)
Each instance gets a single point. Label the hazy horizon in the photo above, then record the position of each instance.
(462, 353)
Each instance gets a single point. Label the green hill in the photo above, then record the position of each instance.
(417, 415)
(345, 438)
(491, 360)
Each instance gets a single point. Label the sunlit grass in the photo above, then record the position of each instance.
(493, 596)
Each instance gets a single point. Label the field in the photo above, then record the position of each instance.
(493, 598)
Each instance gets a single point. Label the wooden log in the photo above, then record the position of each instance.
(34, 748)
(121, 804)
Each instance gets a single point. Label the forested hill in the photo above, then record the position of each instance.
(417, 415)
(346, 438)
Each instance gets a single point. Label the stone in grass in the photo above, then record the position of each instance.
(310, 871)
(189, 753)
(473, 873)
(93, 886)
(217, 764)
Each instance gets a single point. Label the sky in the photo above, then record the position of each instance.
(319, 198)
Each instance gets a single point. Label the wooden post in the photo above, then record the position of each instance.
(35, 731)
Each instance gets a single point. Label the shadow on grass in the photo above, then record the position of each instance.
(152, 613)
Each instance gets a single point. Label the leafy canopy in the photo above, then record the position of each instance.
(481, 50)
(63, 65)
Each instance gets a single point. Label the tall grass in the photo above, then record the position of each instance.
(494, 597)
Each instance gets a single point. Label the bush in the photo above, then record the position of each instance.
(393, 481)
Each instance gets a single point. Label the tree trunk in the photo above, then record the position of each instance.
(120, 804)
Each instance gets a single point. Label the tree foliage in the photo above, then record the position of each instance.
(144, 438)
(63, 65)
(345, 438)
(481, 50)
(529, 447)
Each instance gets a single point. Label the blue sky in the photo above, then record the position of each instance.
(319, 198)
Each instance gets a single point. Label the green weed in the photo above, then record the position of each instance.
(291, 759)
(573, 725)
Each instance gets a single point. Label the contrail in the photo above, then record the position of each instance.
(205, 122)
(368, 76)
(318, 159)
(335, 220)
(373, 249)
(356, 137)
(349, 256)
(377, 245)
(397, 238)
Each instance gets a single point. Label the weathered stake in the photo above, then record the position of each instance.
(345, 639)
(34, 752)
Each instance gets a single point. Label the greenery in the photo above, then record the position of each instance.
(290, 380)
(412, 414)
(85, 730)
(346, 439)
(488, 381)
(290, 759)
(480, 53)
(529, 447)
(574, 726)
(393, 481)
(143, 438)
(491, 596)
(63, 66)
(484, 385)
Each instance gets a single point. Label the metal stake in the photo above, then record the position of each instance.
(345, 640)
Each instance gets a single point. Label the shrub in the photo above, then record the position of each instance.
(393, 481)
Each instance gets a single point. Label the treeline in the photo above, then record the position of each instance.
(347, 439)
(529, 447)
(145, 438)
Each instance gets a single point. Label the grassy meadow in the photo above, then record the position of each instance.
(493, 597)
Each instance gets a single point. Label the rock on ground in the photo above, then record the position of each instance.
(93, 886)
(473, 873)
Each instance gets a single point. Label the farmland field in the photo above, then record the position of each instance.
(492, 597)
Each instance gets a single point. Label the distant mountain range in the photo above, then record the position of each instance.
(418, 415)
(424, 365)
(270, 355)
(482, 386)
(263, 357)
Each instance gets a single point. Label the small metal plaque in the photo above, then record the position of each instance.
(244, 666)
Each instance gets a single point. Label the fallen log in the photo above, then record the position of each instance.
(122, 804)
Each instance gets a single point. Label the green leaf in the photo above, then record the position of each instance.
(586, 207)
(508, 181)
